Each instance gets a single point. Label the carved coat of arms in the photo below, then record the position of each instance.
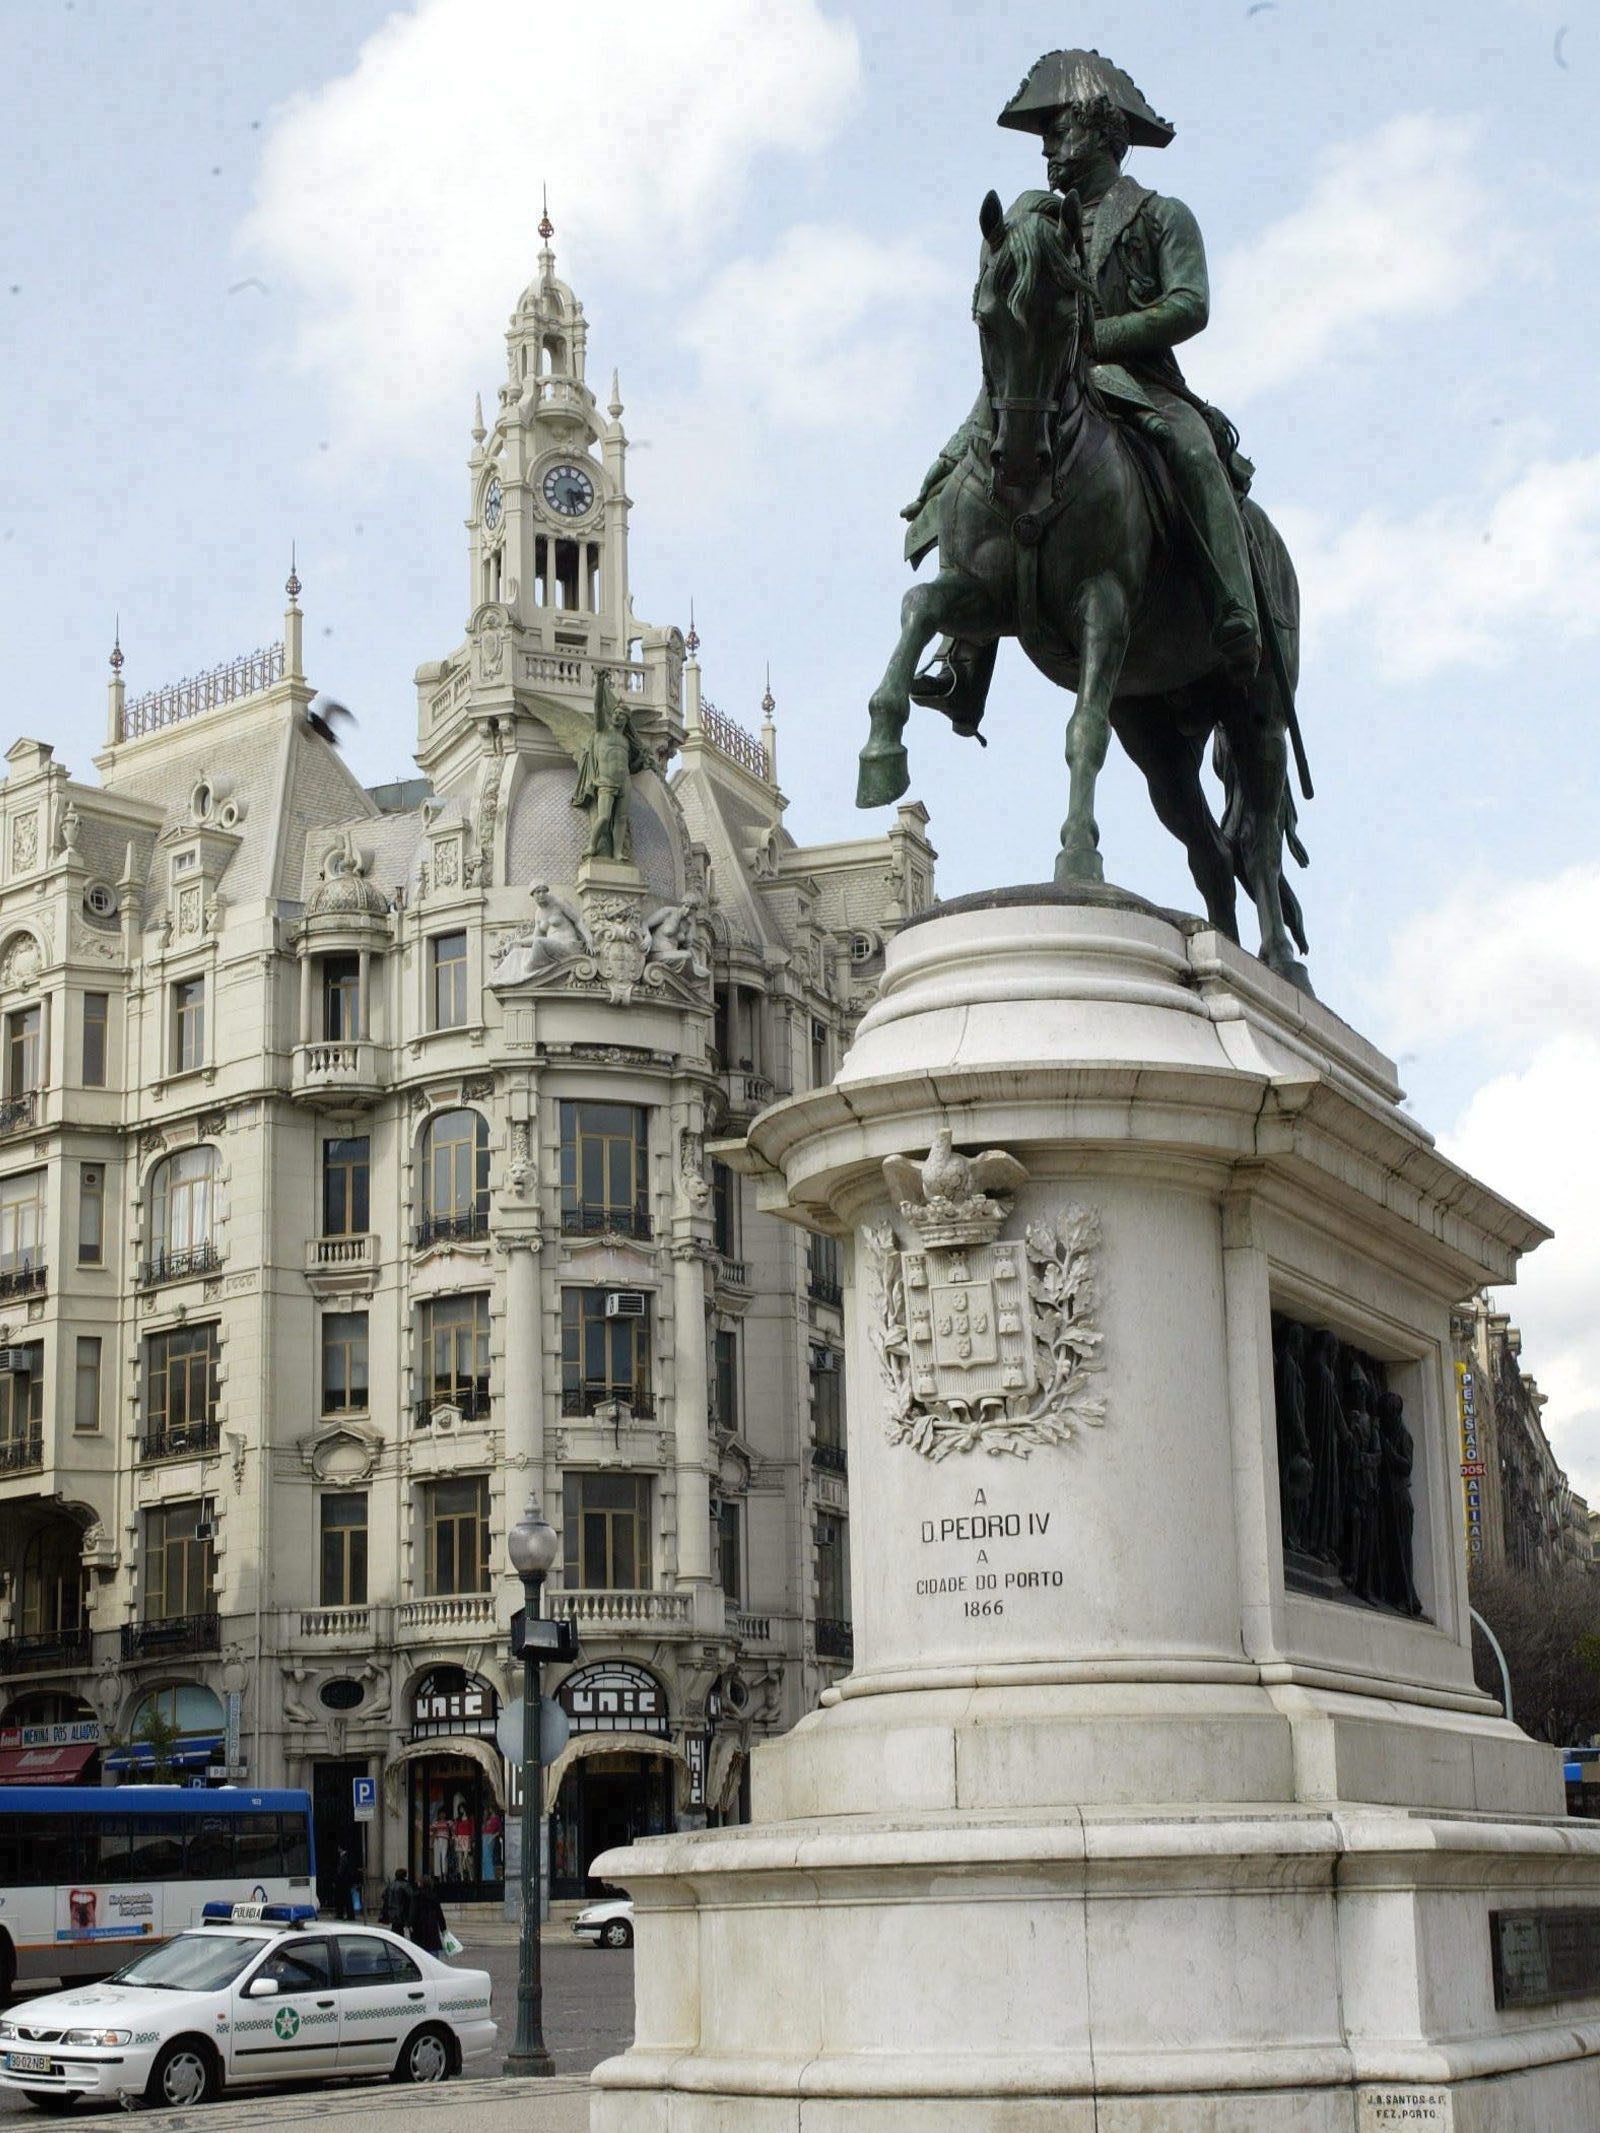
(984, 1343)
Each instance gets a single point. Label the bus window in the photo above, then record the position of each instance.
(296, 1844)
(256, 1839)
(47, 1856)
(157, 1849)
(209, 1851)
(104, 1845)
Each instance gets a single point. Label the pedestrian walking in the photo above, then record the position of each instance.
(394, 1911)
(345, 1878)
(427, 1917)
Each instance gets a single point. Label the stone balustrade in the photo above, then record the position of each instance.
(620, 1613)
(451, 1614)
(336, 1624)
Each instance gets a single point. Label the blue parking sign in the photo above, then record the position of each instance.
(364, 1798)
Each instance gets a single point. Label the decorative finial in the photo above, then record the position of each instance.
(691, 643)
(769, 703)
(615, 409)
(291, 584)
(116, 647)
(478, 430)
(547, 228)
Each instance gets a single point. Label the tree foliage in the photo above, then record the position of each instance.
(1549, 1630)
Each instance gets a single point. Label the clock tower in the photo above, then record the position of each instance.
(548, 553)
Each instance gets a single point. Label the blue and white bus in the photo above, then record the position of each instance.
(90, 1874)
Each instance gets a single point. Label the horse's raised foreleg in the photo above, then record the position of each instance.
(1102, 635)
(1257, 735)
(943, 605)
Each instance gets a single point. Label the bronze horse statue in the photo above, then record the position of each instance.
(1063, 532)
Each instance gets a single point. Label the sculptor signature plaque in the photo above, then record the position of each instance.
(983, 1344)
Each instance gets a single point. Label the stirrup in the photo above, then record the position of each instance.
(935, 685)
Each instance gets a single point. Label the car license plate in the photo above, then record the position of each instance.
(29, 2063)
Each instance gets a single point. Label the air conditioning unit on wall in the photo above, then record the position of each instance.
(17, 1361)
(626, 1303)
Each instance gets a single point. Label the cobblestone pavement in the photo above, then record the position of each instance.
(588, 2015)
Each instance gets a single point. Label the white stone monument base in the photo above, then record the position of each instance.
(1098, 1972)
(1135, 1815)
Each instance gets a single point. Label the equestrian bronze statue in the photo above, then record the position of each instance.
(1096, 509)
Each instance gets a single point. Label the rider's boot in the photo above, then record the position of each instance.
(956, 682)
(1209, 501)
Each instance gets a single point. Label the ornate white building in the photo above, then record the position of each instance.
(350, 1192)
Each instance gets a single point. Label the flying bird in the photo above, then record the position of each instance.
(323, 714)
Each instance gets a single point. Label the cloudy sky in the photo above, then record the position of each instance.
(256, 262)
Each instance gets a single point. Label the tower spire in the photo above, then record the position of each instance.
(293, 646)
(769, 729)
(547, 229)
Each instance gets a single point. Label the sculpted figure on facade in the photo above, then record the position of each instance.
(557, 935)
(613, 753)
(674, 934)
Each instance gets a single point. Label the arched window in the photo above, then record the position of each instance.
(455, 1176)
(185, 1195)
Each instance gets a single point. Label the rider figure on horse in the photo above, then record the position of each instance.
(1148, 266)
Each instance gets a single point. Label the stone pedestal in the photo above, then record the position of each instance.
(1114, 1826)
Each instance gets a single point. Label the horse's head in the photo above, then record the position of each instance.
(1032, 299)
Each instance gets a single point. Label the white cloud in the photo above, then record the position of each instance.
(1535, 1135)
(1503, 962)
(1453, 585)
(1513, 969)
(815, 328)
(1398, 225)
(391, 200)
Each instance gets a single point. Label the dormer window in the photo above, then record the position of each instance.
(184, 862)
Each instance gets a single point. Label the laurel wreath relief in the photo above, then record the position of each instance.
(1062, 1259)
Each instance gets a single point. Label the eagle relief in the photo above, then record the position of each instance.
(984, 1343)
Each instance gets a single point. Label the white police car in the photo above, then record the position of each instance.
(259, 1992)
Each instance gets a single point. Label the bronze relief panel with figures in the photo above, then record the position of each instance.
(1345, 1457)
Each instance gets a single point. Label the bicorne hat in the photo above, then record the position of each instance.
(1076, 77)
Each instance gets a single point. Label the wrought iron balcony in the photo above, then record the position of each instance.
(174, 1635)
(473, 1226)
(605, 1222)
(19, 1454)
(835, 1640)
(830, 1458)
(17, 1113)
(29, 1278)
(181, 1440)
(586, 1399)
(196, 1259)
(44, 1651)
(823, 1291)
(470, 1401)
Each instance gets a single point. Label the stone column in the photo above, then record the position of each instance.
(523, 1399)
(690, 1399)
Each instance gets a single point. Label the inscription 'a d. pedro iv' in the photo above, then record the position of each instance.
(994, 1570)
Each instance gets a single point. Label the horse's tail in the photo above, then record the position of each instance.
(1238, 832)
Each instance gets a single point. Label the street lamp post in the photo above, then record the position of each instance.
(532, 1542)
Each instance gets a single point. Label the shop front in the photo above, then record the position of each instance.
(617, 1776)
(455, 1800)
(175, 1735)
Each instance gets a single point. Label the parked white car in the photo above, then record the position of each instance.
(256, 1993)
(608, 1925)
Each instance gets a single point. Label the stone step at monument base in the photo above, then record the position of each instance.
(1338, 1970)
(1011, 1742)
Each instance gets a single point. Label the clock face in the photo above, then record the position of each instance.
(493, 505)
(568, 489)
